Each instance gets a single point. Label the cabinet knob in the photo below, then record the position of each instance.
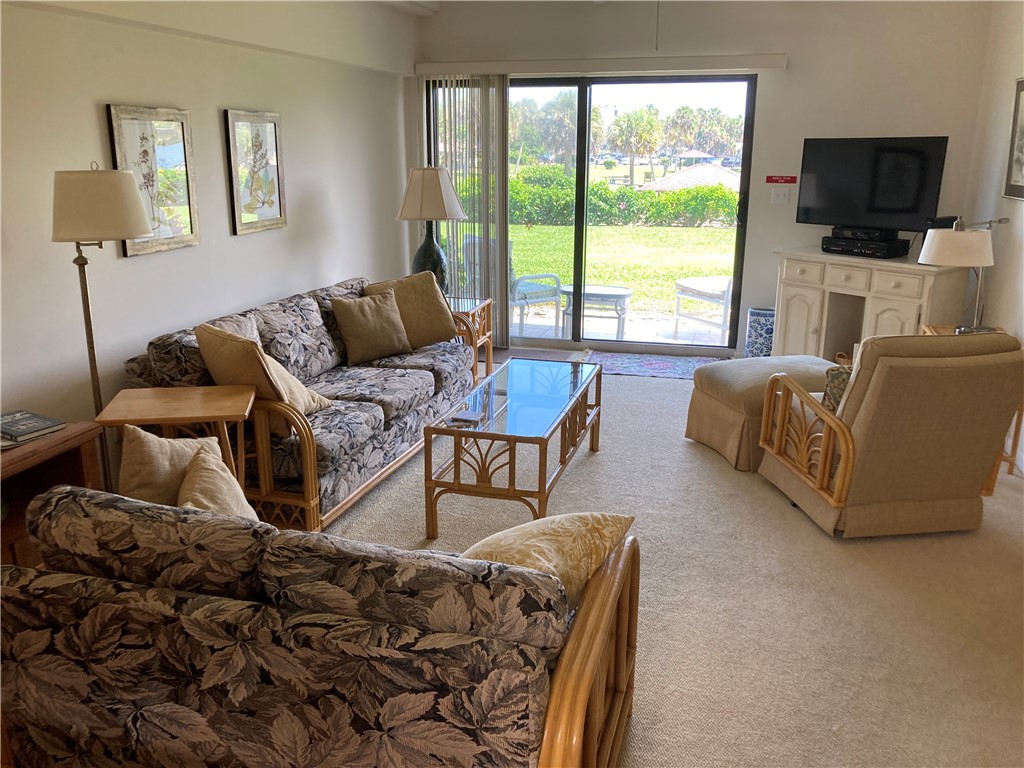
(896, 284)
(846, 277)
(801, 271)
(814, 331)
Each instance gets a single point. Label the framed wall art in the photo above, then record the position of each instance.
(155, 144)
(1015, 164)
(255, 170)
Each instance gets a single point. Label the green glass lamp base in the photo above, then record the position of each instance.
(430, 258)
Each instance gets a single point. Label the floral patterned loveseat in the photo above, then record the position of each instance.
(334, 456)
(164, 636)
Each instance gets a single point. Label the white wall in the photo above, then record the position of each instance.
(854, 69)
(346, 158)
(1004, 281)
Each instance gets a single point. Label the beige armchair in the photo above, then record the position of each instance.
(912, 445)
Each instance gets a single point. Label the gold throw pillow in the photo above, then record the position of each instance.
(209, 485)
(234, 359)
(153, 468)
(425, 312)
(570, 547)
(371, 327)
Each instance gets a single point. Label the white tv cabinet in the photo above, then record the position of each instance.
(826, 303)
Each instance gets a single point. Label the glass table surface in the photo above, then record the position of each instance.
(523, 397)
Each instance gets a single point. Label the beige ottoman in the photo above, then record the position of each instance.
(728, 400)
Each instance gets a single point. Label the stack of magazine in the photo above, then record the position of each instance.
(17, 427)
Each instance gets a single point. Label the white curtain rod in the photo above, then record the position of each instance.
(724, 63)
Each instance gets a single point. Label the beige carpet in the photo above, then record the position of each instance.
(762, 641)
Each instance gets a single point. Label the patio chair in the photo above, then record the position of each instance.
(529, 290)
(716, 289)
(912, 445)
(524, 291)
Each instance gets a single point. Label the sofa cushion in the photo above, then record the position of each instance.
(346, 289)
(210, 486)
(102, 534)
(237, 360)
(175, 358)
(177, 362)
(171, 678)
(338, 431)
(396, 391)
(327, 574)
(425, 312)
(371, 327)
(153, 468)
(570, 547)
(450, 362)
(292, 332)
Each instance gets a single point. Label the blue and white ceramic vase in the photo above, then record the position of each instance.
(760, 326)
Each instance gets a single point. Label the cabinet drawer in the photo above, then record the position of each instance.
(898, 284)
(803, 272)
(847, 277)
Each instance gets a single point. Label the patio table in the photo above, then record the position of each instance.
(615, 297)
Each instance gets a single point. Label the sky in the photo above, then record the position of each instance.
(667, 97)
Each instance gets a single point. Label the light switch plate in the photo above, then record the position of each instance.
(780, 195)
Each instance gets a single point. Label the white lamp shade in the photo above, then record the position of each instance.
(430, 196)
(953, 248)
(93, 206)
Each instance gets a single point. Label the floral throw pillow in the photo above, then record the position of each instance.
(836, 379)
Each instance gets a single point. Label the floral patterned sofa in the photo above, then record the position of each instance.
(334, 456)
(166, 636)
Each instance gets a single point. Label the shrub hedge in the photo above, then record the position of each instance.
(545, 195)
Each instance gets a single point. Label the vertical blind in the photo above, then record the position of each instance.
(467, 133)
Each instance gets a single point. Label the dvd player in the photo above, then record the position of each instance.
(886, 249)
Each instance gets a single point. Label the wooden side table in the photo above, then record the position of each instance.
(173, 407)
(477, 313)
(1009, 457)
(68, 456)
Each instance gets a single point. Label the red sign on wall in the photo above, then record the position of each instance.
(780, 179)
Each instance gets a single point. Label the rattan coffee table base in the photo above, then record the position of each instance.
(488, 464)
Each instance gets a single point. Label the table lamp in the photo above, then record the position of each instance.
(429, 197)
(962, 246)
(88, 208)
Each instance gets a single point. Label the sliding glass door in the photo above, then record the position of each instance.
(626, 203)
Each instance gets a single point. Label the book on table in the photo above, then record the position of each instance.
(22, 426)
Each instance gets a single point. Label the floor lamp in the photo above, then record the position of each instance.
(429, 197)
(88, 208)
(962, 246)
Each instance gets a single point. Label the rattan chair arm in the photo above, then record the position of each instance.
(820, 445)
(592, 685)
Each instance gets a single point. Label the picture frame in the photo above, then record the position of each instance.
(255, 170)
(155, 143)
(1015, 161)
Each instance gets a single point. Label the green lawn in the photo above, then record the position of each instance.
(647, 259)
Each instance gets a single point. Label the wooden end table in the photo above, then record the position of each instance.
(173, 407)
(477, 313)
(68, 456)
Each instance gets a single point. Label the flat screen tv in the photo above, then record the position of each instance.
(881, 183)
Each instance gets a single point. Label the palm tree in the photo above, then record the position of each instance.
(558, 128)
(637, 133)
(681, 129)
(524, 129)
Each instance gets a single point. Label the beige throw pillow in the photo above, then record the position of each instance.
(570, 547)
(234, 359)
(153, 468)
(371, 327)
(209, 485)
(425, 312)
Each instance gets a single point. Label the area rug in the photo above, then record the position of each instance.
(661, 366)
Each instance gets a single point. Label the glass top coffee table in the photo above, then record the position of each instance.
(503, 432)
